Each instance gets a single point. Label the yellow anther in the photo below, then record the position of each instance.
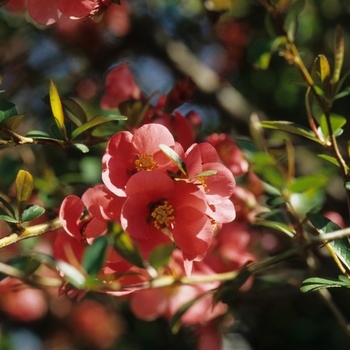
(162, 215)
(145, 163)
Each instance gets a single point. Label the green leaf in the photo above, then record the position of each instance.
(321, 73)
(278, 226)
(7, 206)
(7, 109)
(24, 188)
(95, 256)
(330, 159)
(291, 22)
(341, 247)
(338, 53)
(174, 157)
(337, 121)
(26, 264)
(57, 110)
(81, 147)
(95, 121)
(316, 283)
(75, 113)
(8, 218)
(123, 245)
(291, 127)
(72, 275)
(31, 212)
(161, 255)
(308, 183)
(342, 94)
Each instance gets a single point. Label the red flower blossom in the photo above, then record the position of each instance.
(150, 304)
(80, 230)
(229, 153)
(218, 187)
(159, 210)
(127, 154)
(120, 87)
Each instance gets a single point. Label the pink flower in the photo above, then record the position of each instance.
(229, 153)
(120, 87)
(127, 154)
(150, 304)
(218, 187)
(159, 210)
(80, 230)
(49, 11)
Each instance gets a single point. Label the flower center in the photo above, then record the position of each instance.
(162, 215)
(201, 180)
(145, 163)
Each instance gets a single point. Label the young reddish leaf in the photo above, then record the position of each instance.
(174, 157)
(57, 110)
(24, 188)
(12, 122)
(338, 53)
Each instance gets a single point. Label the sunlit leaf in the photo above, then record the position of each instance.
(330, 159)
(341, 246)
(72, 275)
(95, 256)
(24, 188)
(336, 121)
(81, 147)
(291, 127)
(57, 110)
(8, 218)
(95, 121)
(316, 283)
(123, 245)
(31, 212)
(174, 157)
(321, 73)
(338, 53)
(278, 226)
(308, 183)
(161, 255)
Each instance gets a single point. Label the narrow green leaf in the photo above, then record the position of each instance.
(24, 188)
(342, 94)
(278, 226)
(161, 255)
(25, 264)
(330, 159)
(76, 114)
(347, 185)
(291, 127)
(57, 110)
(321, 73)
(338, 53)
(95, 121)
(31, 212)
(7, 206)
(308, 183)
(123, 245)
(174, 157)
(81, 147)
(72, 275)
(95, 256)
(291, 21)
(316, 283)
(9, 219)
